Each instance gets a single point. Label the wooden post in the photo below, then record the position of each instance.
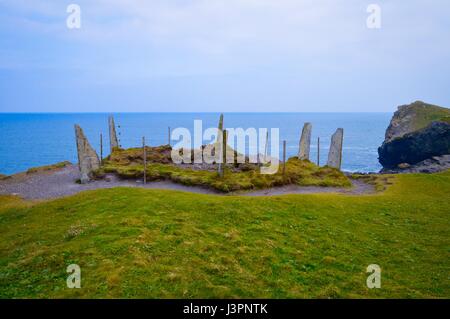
(169, 137)
(101, 149)
(284, 158)
(145, 160)
(318, 151)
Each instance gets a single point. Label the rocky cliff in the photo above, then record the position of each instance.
(417, 132)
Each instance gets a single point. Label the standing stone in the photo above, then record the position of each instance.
(220, 129)
(88, 160)
(221, 122)
(112, 134)
(305, 142)
(335, 154)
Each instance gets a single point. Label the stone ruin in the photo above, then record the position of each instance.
(88, 160)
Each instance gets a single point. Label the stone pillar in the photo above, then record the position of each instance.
(220, 128)
(112, 134)
(335, 154)
(88, 160)
(305, 142)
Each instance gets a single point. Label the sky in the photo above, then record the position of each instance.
(223, 56)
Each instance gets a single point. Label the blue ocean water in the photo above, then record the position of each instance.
(30, 140)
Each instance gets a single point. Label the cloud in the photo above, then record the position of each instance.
(309, 43)
(209, 26)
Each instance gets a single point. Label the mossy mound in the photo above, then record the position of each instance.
(128, 164)
(125, 157)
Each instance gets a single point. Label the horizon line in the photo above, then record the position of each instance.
(204, 112)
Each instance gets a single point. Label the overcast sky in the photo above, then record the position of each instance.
(223, 55)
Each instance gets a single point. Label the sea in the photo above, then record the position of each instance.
(37, 139)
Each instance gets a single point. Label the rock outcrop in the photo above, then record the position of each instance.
(417, 132)
(88, 160)
(305, 142)
(413, 117)
(431, 165)
(335, 153)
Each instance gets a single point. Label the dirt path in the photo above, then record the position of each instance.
(60, 183)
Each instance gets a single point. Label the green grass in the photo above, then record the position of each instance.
(128, 164)
(163, 244)
(445, 119)
(427, 113)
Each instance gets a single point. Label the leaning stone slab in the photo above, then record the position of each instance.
(113, 142)
(335, 154)
(305, 142)
(88, 160)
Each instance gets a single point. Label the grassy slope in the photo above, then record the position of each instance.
(427, 113)
(150, 243)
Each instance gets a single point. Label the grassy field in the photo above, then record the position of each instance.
(159, 244)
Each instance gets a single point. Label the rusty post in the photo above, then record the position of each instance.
(224, 154)
(318, 151)
(145, 159)
(169, 136)
(284, 158)
(101, 149)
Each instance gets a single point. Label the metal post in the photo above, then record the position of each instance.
(169, 137)
(266, 146)
(145, 160)
(101, 149)
(219, 148)
(284, 158)
(224, 154)
(318, 151)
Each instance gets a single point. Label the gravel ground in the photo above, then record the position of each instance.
(60, 183)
